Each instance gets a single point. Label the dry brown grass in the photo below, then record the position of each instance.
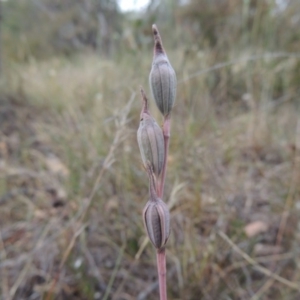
(73, 187)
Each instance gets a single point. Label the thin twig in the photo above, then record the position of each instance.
(24, 271)
(240, 264)
(264, 259)
(256, 266)
(144, 294)
(113, 276)
(93, 267)
(242, 60)
(109, 160)
(263, 289)
(70, 246)
(268, 284)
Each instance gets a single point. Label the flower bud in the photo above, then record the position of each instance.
(156, 215)
(157, 222)
(151, 141)
(162, 77)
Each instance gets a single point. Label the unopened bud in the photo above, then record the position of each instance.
(162, 77)
(150, 139)
(156, 215)
(157, 222)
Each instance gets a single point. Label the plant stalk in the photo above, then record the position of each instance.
(162, 273)
(166, 133)
(161, 253)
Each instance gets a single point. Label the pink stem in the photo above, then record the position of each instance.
(162, 273)
(166, 133)
(161, 253)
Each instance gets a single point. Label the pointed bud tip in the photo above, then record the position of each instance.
(158, 47)
(154, 29)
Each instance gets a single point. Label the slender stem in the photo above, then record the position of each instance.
(162, 273)
(166, 133)
(145, 108)
(161, 253)
(152, 183)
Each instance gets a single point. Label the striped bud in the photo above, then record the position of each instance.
(162, 77)
(151, 141)
(156, 215)
(157, 222)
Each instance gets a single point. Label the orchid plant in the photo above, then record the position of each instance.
(154, 147)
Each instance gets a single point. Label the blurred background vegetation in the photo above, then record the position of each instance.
(72, 186)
